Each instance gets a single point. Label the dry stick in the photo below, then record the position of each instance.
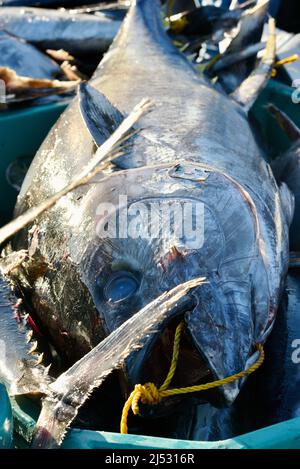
(83, 177)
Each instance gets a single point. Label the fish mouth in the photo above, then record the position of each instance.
(215, 344)
(192, 369)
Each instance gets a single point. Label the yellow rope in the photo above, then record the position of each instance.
(285, 61)
(149, 394)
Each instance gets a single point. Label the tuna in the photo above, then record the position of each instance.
(25, 59)
(78, 34)
(196, 153)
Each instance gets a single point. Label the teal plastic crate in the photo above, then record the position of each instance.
(6, 420)
(285, 435)
(21, 133)
(281, 95)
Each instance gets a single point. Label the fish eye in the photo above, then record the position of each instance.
(121, 286)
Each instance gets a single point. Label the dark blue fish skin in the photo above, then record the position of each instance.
(276, 385)
(78, 34)
(250, 32)
(196, 144)
(287, 168)
(282, 371)
(25, 59)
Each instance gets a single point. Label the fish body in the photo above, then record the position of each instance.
(195, 149)
(249, 35)
(78, 34)
(279, 372)
(25, 59)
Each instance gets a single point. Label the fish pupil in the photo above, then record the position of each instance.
(123, 285)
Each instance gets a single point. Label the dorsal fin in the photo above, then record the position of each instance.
(100, 116)
(248, 91)
(285, 122)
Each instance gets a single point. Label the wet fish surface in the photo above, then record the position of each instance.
(78, 34)
(25, 59)
(196, 146)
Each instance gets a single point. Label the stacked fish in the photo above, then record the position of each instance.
(49, 51)
(48, 47)
(102, 303)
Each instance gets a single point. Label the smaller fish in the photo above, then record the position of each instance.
(286, 168)
(113, 10)
(25, 59)
(235, 57)
(27, 73)
(78, 34)
(204, 21)
(249, 34)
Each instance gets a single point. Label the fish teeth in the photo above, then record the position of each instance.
(34, 347)
(39, 359)
(46, 370)
(29, 336)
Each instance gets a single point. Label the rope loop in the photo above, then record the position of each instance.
(149, 393)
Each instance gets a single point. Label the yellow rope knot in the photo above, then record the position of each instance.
(146, 393)
(149, 394)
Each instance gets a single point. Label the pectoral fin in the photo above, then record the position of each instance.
(100, 116)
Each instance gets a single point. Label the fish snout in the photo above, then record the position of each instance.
(215, 343)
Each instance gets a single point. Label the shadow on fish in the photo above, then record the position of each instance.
(196, 153)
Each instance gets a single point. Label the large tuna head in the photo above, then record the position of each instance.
(143, 231)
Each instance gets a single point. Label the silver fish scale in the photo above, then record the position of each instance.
(245, 253)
